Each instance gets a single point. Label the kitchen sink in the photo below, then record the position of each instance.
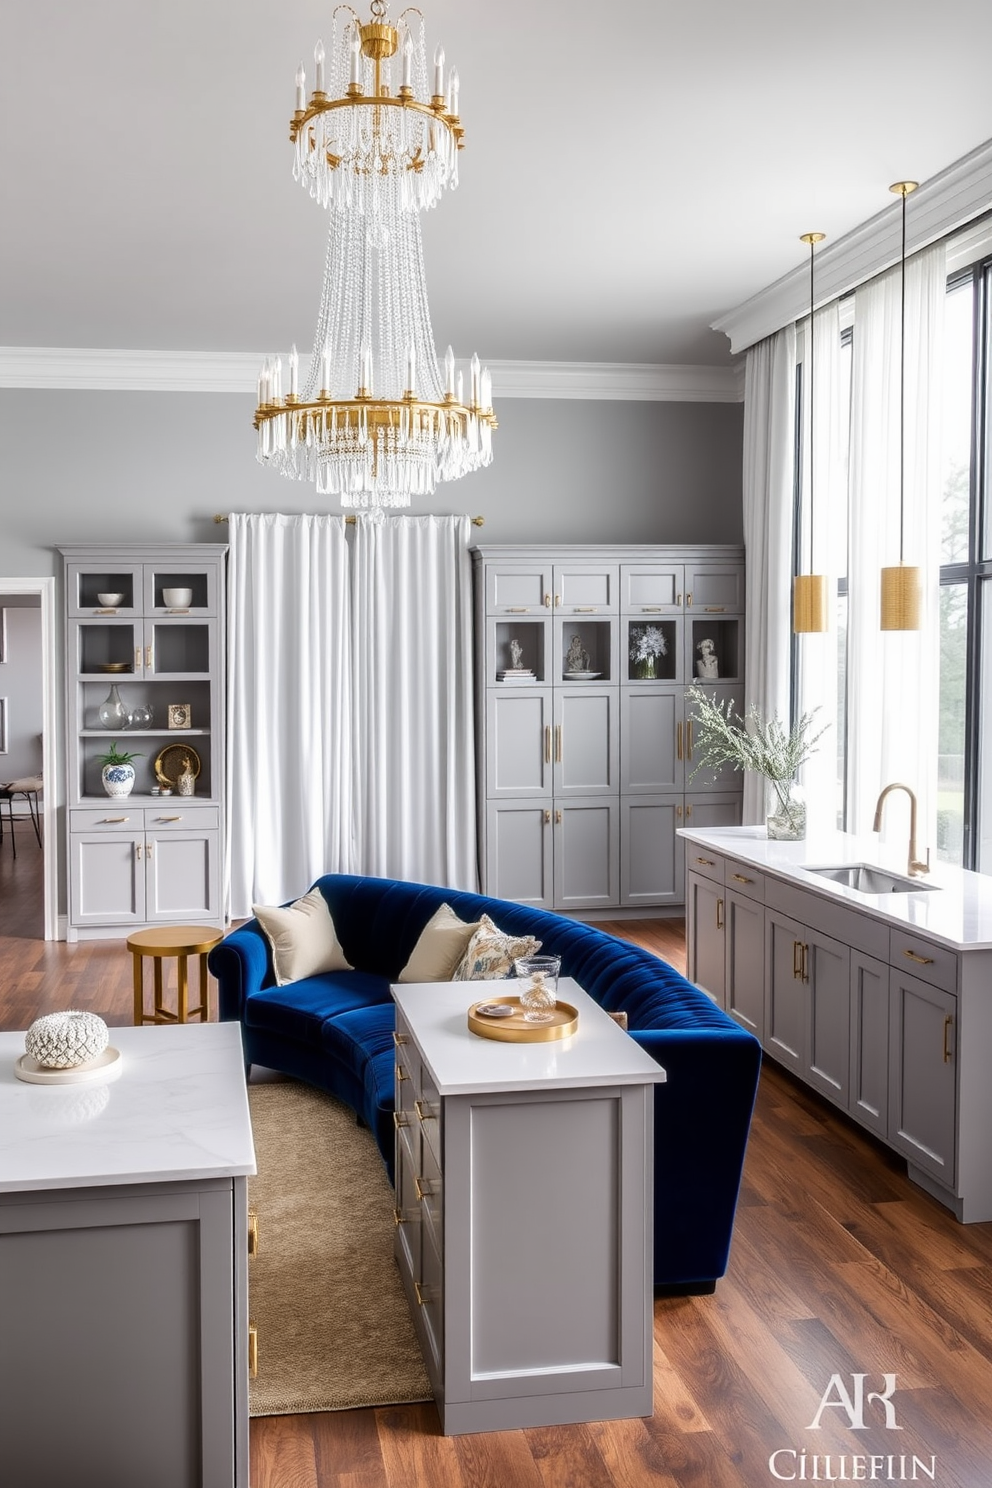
(867, 879)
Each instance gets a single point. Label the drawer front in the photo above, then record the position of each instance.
(428, 1110)
(701, 860)
(181, 818)
(744, 880)
(931, 963)
(430, 1191)
(124, 816)
(116, 816)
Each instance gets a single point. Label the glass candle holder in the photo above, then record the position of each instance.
(538, 993)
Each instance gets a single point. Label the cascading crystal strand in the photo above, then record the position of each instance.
(375, 423)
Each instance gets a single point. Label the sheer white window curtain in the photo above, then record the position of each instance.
(768, 480)
(350, 701)
(893, 677)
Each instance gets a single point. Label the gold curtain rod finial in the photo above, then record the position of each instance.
(903, 188)
(811, 238)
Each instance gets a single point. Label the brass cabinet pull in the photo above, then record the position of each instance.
(739, 878)
(586, 610)
(399, 1039)
(399, 1218)
(947, 1024)
(797, 960)
(252, 1351)
(137, 851)
(168, 818)
(678, 812)
(401, 1073)
(252, 1233)
(517, 610)
(920, 960)
(688, 808)
(424, 1188)
(558, 742)
(805, 963)
(678, 600)
(420, 1292)
(148, 850)
(688, 739)
(708, 862)
(148, 658)
(719, 914)
(547, 601)
(688, 601)
(137, 658)
(112, 819)
(652, 609)
(423, 1110)
(558, 817)
(714, 609)
(547, 743)
(557, 600)
(547, 815)
(678, 740)
(400, 1120)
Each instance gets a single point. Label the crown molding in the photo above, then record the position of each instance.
(946, 202)
(107, 370)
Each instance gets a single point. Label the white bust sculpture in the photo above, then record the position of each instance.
(576, 657)
(706, 666)
(516, 655)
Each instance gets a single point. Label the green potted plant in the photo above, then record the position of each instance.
(721, 737)
(118, 771)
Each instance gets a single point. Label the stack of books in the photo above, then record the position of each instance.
(516, 674)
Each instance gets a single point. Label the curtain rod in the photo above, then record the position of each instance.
(476, 521)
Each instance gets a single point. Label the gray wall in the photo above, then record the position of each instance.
(20, 684)
(154, 467)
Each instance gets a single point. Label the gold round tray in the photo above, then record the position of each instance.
(516, 1030)
(169, 765)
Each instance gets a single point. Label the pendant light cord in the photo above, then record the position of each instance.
(902, 385)
(812, 407)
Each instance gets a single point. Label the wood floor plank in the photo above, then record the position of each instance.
(281, 1452)
(630, 1454)
(347, 1449)
(493, 1459)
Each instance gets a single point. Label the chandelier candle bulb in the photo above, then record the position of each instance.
(407, 52)
(318, 67)
(439, 73)
(325, 372)
(487, 390)
(453, 87)
(475, 379)
(356, 56)
(411, 368)
(301, 89)
(294, 371)
(449, 372)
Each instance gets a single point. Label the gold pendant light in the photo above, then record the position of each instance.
(900, 608)
(810, 608)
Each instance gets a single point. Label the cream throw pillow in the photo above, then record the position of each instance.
(491, 953)
(303, 939)
(441, 946)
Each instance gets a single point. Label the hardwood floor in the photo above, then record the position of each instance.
(840, 1268)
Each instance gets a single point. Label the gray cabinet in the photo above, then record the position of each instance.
(131, 862)
(603, 645)
(807, 1004)
(923, 1074)
(869, 1043)
(705, 934)
(744, 934)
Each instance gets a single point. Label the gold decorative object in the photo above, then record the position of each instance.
(516, 1029)
(375, 421)
(810, 603)
(180, 715)
(174, 761)
(900, 593)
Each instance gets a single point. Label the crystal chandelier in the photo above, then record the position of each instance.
(376, 421)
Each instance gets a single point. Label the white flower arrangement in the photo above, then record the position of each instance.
(645, 641)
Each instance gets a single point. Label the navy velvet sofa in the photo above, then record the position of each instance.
(335, 1031)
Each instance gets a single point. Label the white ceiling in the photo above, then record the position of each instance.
(630, 172)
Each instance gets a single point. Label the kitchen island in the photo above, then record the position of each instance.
(878, 996)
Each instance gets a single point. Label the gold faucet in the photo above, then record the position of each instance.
(915, 867)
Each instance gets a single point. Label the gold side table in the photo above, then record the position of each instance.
(181, 941)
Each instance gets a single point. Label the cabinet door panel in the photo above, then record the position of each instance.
(583, 588)
(869, 1043)
(829, 1000)
(650, 730)
(714, 586)
(785, 993)
(650, 589)
(587, 854)
(745, 937)
(651, 870)
(518, 588)
(923, 1074)
(585, 745)
(518, 754)
(181, 875)
(715, 810)
(107, 879)
(705, 936)
(519, 844)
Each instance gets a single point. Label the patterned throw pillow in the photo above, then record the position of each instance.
(491, 953)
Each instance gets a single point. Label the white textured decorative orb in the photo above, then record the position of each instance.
(65, 1040)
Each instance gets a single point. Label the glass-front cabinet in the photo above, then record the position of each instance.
(144, 677)
(586, 733)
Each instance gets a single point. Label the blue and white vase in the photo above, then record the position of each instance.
(118, 780)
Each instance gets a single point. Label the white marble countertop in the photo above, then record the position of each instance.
(464, 1063)
(955, 909)
(178, 1111)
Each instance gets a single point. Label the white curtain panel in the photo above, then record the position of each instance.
(818, 657)
(768, 479)
(414, 731)
(289, 764)
(893, 677)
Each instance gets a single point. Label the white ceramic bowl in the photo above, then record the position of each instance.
(178, 599)
(110, 601)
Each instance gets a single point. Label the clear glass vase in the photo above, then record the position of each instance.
(112, 712)
(786, 811)
(647, 667)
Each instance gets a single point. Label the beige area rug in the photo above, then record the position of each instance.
(334, 1330)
